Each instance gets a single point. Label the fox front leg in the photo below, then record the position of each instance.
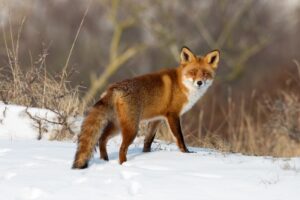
(174, 124)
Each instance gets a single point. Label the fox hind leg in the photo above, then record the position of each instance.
(129, 121)
(128, 135)
(109, 131)
(149, 137)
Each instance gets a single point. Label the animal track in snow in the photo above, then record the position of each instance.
(128, 174)
(134, 188)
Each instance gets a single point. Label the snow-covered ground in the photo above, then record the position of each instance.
(32, 169)
(19, 122)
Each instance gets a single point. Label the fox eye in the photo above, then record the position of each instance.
(193, 72)
(206, 74)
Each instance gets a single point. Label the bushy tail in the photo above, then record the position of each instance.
(90, 134)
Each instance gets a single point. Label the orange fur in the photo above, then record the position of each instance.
(163, 95)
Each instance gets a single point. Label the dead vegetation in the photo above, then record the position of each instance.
(35, 87)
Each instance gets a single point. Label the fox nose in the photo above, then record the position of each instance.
(199, 83)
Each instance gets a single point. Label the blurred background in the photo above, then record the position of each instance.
(253, 106)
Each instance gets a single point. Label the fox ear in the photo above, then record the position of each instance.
(213, 58)
(186, 55)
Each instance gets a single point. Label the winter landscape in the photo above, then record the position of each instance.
(58, 57)
(32, 169)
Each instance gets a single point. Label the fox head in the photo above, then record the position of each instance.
(198, 72)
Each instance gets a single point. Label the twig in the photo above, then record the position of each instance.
(4, 115)
(74, 41)
(109, 70)
(298, 66)
(38, 121)
(231, 24)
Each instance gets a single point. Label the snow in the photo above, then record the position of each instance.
(16, 123)
(32, 169)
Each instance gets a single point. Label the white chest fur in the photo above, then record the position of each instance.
(194, 94)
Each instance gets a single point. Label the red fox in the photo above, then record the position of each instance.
(164, 95)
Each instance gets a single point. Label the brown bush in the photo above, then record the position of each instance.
(35, 87)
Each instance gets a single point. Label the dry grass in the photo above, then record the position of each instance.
(35, 87)
(272, 129)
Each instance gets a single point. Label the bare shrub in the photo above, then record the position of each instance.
(35, 87)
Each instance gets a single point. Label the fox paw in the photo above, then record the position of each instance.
(186, 151)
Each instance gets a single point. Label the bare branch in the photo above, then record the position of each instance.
(75, 39)
(110, 70)
(231, 24)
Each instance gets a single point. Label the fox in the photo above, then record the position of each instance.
(163, 95)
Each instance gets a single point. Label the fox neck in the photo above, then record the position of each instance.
(193, 94)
